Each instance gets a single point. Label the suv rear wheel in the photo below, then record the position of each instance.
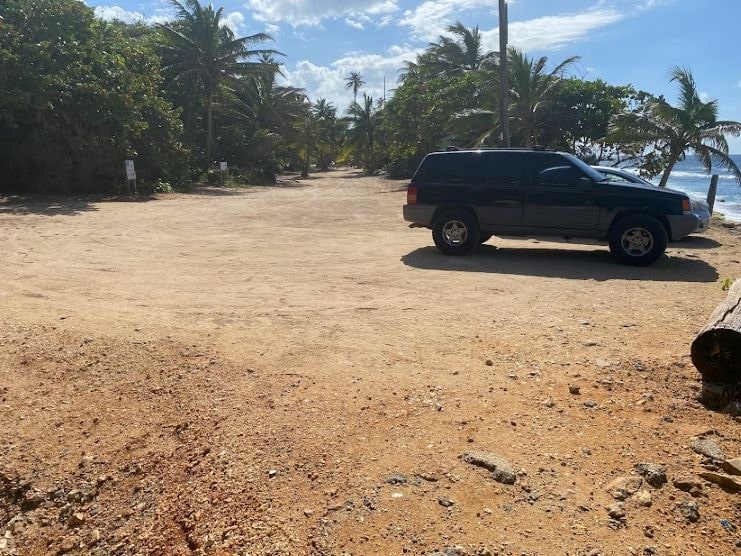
(638, 239)
(456, 232)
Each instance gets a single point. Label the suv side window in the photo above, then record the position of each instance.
(452, 168)
(506, 168)
(548, 169)
(558, 175)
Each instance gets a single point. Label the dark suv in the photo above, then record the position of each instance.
(467, 196)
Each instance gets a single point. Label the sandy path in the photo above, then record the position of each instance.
(305, 329)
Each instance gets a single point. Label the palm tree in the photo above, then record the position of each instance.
(361, 138)
(463, 52)
(329, 132)
(478, 124)
(354, 81)
(260, 98)
(198, 44)
(531, 87)
(308, 127)
(674, 130)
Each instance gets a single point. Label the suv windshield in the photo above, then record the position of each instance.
(584, 167)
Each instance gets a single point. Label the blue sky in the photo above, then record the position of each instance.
(620, 41)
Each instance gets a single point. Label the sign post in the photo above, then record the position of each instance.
(224, 169)
(130, 177)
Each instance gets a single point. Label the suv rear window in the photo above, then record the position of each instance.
(452, 167)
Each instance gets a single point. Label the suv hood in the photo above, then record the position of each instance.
(652, 188)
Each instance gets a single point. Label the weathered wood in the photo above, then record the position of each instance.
(716, 351)
(712, 192)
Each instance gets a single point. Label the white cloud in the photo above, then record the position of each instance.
(739, 83)
(354, 24)
(329, 81)
(111, 13)
(234, 21)
(429, 20)
(643, 5)
(554, 32)
(313, 12)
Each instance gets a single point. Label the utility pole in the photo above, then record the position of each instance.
(503, 75)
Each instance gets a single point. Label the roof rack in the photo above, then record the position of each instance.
(537, 148)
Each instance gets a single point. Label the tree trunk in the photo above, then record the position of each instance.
(716, 351)
(668, 171)
(209, 124)
(529, 131)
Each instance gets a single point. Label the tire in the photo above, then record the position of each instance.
(638, 239)
(484, 237)
(456, 232)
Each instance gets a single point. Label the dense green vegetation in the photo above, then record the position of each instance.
(79, 95)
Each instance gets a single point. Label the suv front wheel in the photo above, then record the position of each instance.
(638, 239)
(456, 232)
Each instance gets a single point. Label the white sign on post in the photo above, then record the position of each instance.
(130, 172)
(222, 166)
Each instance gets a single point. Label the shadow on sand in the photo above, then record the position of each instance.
(561, 263)
(355, 174)
(59, 205)
(696, 242)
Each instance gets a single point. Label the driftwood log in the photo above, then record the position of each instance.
(716, 351)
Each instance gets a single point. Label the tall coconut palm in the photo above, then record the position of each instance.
(361, 137)
(271, 106)
(461, 52)
(531, 86)
(329, 133)
(199, 44)
(309, 131)
(354, 81)
(675, 130)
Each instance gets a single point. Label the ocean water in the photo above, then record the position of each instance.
(689, 176)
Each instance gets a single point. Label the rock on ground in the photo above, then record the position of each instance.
(654, 474)
(708, 448)
(622, 488)
(501, 469)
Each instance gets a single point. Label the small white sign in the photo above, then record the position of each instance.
(222, 166)
(130, 172)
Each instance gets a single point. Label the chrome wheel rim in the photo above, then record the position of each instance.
(455, 233)
(637, 242)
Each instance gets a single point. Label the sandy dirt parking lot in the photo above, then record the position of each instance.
(291, 370)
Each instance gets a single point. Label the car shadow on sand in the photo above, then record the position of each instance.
(696, 242)
(557, 262)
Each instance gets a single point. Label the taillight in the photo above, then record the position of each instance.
(412, 195)
(686, 205)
